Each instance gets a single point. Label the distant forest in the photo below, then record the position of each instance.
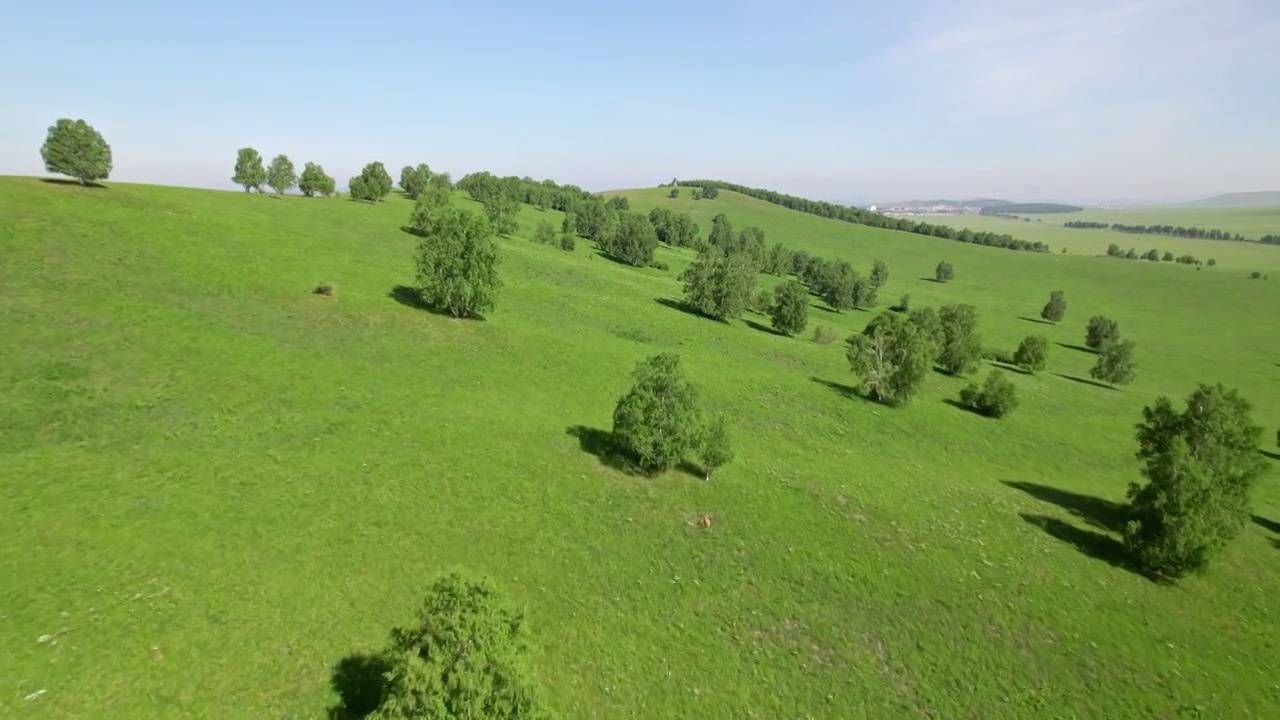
(866, 217)
(1171, 230)
(1029, 209)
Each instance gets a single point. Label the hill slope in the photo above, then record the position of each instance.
(1267, 198)
(220, 485)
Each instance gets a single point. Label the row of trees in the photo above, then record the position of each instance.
(1153, 255)
(866, 217)
(1170, 230)
(281, 176)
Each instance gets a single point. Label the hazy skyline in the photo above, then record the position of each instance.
(1020, 99)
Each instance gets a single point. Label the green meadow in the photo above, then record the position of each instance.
(1252, 223)
(218, 485)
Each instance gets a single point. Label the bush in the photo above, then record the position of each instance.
(545, 234)
(944, 272)
(996, 398)
(1056, 308)
(1255, 275)
(74, 148)
(467, 656)
(904, 304)
(657, 421)
(714, 449)
(1200, 465)
(763, 303)
(568, 242)
(1115, 363)
(659, 265)
(323, 289)
(634, 242)
(790, 312)
(675, 193)
(1032, 354)
(1100, 331)
(824, 335)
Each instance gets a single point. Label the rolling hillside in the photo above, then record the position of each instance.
(220, 486)
(1269, 198)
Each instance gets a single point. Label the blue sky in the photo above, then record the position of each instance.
(1085, 100)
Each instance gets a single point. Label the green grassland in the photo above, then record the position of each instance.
(218, 485)
(1231, 255)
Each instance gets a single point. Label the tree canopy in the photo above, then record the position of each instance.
(891, 358)
(658, 422)
(457, 260)
(465, 657)
(74, 148)
(961, 346)
(281, 175)
(634, 242)
(250, 173)
(790, 311)
(1100, 331)
(719, 285)
(1056, 308)
(314, 181)
(413, 180)
(944, 272)
(1115, 363)
(1200, 465)
(1032, 353)
(372, 184)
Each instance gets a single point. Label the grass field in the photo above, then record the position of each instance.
(1232, 256)
(218, 485)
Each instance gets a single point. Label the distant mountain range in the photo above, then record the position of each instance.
(1269, 198)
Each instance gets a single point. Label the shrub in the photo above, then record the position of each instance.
(1167, 257)
(659, 265)
(1200, 465)
(879, 274)
(457, 261)
(1100, 331)
(824, 335)
(891, 358)
(567, 242)
(944, 272)
(1255, 275)
(1211, 262)
(996, 397)
(634, 242)
(323, 289)
(545, 234)
(467, 656)
(657, 421)
(1115, 363)
(714, 449)
(1032, 354)
(675, 193)
(790, 311)
(74, 148)
(904, 303)
(1056, 308)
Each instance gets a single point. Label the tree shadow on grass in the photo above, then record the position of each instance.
(1077, 347)
(934, 280)
(1040, 321)
(1271, 525)
(360, 684)
(1009, 366)
(763, 328)
(1100, 513)
(410, 297)
(1269, 454)
(1094, 544)
(959, 405)
(686, 308)
(848, 391)
(604, 446)
(73, 183)
(1084, 381)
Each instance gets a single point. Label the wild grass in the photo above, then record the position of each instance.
(218, 484)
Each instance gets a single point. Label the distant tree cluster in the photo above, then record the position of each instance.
(1270, 240)
(1114, 250)
(893, 355)
(74, 148)
(544, 195)
(1029, 209)
(1170, 230)
(866, 217)
(675, 229)
(280, 175)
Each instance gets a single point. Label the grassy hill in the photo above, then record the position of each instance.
(220, 485)
(1266, 198)
(1233, 256)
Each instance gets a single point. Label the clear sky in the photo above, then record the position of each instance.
(1069, 99)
